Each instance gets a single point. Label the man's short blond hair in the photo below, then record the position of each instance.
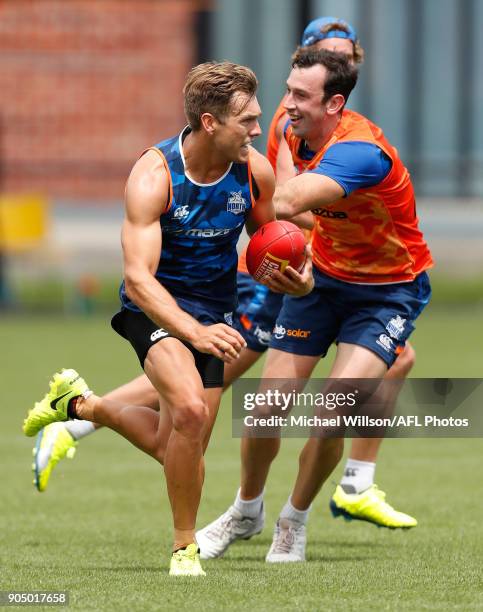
(211, 88)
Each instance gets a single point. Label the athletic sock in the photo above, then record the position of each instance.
(250, 508)
(358, 476)
(291, 513)
(78, 429)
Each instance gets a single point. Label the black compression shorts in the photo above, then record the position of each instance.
(142, 333)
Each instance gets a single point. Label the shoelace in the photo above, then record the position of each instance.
(285, 540)
(219, 530)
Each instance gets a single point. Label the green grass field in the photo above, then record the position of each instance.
(102, 530)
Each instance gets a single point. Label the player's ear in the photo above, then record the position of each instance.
(208, 121)
(335, 104)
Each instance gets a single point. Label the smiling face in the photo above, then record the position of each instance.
(303, 102)
(238, 128)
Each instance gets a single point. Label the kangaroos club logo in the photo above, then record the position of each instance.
(395, 327)
(236, 203)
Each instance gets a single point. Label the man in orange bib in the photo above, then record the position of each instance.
(259, 307)
(370, 262)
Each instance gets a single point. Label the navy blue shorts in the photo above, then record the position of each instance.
(378, 317)
(257, 311)
(143, 333)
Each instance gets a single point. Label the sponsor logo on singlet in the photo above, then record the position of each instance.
(330, 214)
(201, 232)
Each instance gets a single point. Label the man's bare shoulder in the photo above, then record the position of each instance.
(149, 172)
(148, 182)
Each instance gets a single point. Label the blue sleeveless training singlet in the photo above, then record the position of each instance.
(200, 229)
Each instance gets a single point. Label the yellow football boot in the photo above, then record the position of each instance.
(54, 443)
(54, 406)
(370, 506)
(186, 562)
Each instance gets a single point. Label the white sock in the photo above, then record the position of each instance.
(358, 476)
(78, 429)
(250, 508)
(291, 513)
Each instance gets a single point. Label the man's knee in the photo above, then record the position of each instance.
(191, 416)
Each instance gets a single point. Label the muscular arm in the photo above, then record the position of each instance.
(146, 199)
(263, 211)
(147, 192)
(344, 168)
(305, 192)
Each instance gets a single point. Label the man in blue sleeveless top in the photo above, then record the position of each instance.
(187, 200)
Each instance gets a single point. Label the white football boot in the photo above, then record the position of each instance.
(288, 544)
(216, 537)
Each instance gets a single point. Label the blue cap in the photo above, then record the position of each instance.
(313, 32)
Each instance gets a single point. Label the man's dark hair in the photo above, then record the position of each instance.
(341, 73)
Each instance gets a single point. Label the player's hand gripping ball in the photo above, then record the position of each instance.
(274, 246)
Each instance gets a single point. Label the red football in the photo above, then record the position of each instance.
(274, 246)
